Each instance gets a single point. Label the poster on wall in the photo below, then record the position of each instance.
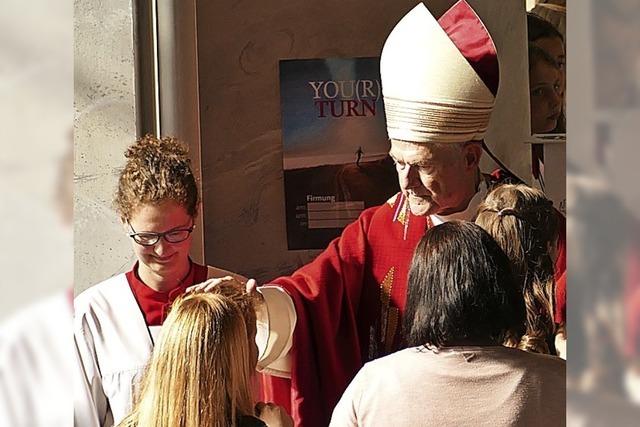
(335, 146)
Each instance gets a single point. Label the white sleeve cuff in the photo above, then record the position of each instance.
(276, 321)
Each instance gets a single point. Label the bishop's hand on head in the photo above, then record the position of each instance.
(250, 286)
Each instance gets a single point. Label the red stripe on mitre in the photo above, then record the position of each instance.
(468, 33)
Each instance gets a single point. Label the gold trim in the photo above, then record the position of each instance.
(389, 315)
(402, 215)
(385, 301)
(392, 324)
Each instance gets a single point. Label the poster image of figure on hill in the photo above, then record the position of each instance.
(335, 146)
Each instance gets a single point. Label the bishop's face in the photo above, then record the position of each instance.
(436, 178)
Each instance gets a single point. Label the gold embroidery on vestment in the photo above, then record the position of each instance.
(388, 314)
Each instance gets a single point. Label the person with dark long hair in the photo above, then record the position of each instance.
(462, 303)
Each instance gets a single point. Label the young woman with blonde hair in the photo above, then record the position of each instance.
(201, 371)
(525, 225)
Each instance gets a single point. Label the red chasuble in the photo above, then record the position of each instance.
(632, 304)
(561, 272)
(349, 301)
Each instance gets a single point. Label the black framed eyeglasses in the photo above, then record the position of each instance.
(172, 236)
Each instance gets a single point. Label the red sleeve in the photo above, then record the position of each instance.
(561, 272)
(632, 304)
(326, 350)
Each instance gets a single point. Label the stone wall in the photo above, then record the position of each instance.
(104, 125)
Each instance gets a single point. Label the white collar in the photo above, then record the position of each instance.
(469, 213)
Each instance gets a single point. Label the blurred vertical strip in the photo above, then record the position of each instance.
(603, 209)
(36, 197)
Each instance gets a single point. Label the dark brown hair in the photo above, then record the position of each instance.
(540, 28)
(460, 289)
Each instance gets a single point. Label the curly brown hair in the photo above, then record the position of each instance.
(157, 170)
(525, 225)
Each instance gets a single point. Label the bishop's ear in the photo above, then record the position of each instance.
(472, 152)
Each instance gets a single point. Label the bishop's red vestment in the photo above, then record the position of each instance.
(349, 302)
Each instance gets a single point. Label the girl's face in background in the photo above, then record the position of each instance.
(545, 94)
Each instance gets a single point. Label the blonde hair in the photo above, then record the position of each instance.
(200, 372)
(525, 225)
(157, 169)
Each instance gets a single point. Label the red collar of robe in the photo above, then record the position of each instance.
(154, 304)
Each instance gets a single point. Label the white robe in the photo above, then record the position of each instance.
(114, 344)
(37, 365)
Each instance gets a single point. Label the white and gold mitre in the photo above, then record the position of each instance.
(439, 78)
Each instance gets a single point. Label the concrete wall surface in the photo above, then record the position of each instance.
(104, 125)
